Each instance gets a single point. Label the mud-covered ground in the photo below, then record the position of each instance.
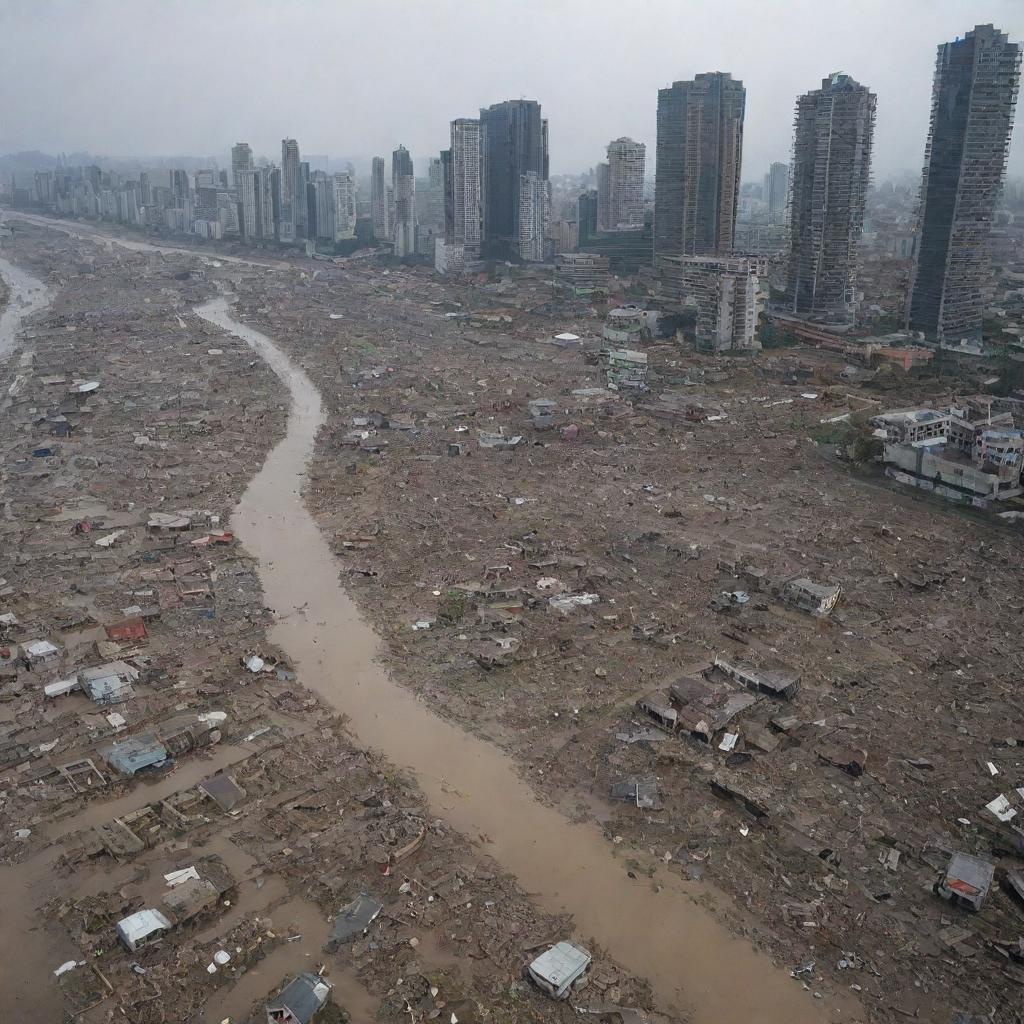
(180, 418)
(908, 718)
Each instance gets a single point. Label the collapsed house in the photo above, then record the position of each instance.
(141, 928)
(814, 598)
(626, 369)
(299, 1001)
(110, 683)
(706, 706)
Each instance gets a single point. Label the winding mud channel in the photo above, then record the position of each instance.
(650, 925)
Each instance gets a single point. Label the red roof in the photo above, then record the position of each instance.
(127, 629)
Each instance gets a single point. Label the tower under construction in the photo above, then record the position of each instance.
(830, 174)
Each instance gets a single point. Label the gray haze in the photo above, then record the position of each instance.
(145, 78)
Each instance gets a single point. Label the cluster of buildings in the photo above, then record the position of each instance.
(488, 196)
(288, 204)
(497, 196)
(970, 452)
(823, 196)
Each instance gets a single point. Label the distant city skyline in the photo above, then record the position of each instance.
(59, 64)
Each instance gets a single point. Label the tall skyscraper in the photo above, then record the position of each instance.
(776, 192)
(834, 127)
(430, 198)
(301, 206)
(379, 206)
(586, 215)
(256, 203)
(292, 192)
(403, 184)
(466, 187)
(321, 207)
(626, 160)
(697, 177)
(270, 180)
(344, 207)
(534, 217)
(179, 186)
(245, 184)
(241, 160)
(973, 100)
(515, 144)
(604, 196)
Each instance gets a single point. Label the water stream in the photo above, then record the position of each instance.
(652, 925)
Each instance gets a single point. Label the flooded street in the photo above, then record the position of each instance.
(28, 295)
(653, 926)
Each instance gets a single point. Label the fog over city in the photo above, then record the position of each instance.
(170, 79)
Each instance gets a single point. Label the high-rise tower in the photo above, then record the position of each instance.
(699, 153)
(292, 190)
(831, 172)
(379, 206)
(241, 160)
(973, 99)
(516, 144)
(403, 184)
(625, 190)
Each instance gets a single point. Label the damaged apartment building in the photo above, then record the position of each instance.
(969, 453)
(726, 293)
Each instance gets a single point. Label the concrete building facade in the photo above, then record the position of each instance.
(344, 206)
(467, 186)
(534, 217)
(726, 293)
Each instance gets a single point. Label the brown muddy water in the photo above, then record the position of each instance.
(653, 926)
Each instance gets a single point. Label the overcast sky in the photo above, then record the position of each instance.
(150, 78)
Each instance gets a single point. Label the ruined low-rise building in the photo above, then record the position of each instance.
(815, 598)
(968, 453)
(626, 369)
(726, 293)
(630, 325)
(581, 273)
